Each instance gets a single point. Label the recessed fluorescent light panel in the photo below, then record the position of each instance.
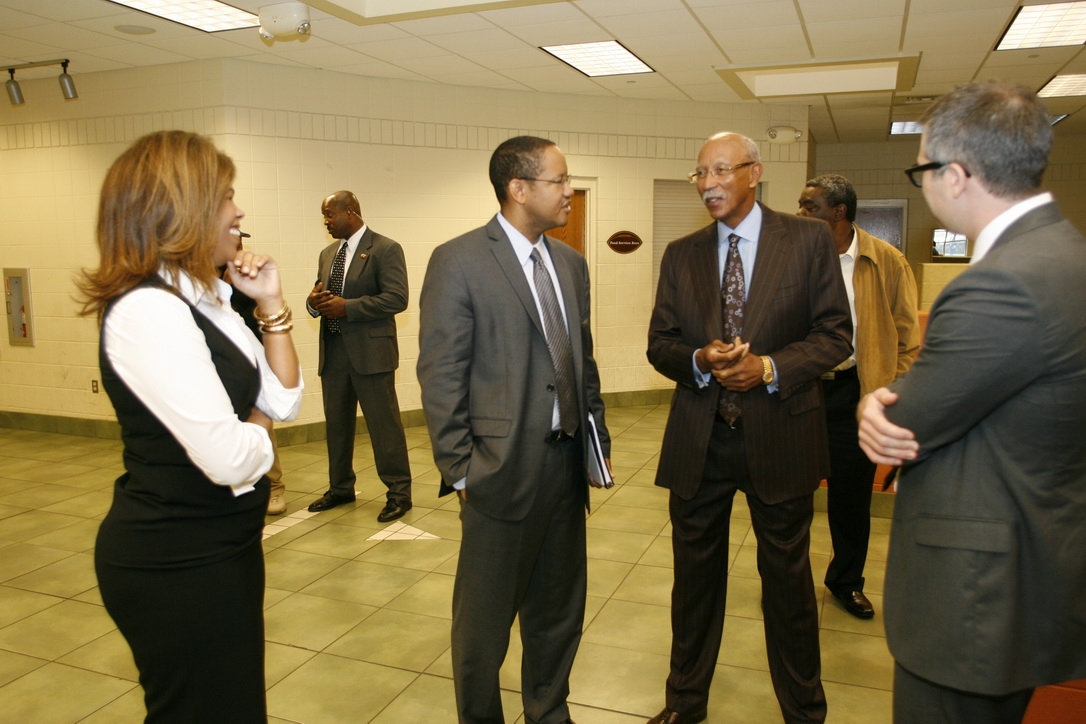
(905, 128)
(1046, 26)
(207, 15)
(598, 59)
(1064, 85)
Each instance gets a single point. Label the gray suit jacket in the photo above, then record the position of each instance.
(375, 287)
(796, 312)
(487, 377)
(986, 576)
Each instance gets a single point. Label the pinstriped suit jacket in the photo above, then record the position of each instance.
(796, 312)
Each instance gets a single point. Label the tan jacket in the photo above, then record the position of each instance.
(887, 332)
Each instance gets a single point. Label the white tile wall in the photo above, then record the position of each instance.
(416, 155)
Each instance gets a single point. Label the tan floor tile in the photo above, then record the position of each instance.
(423, 555)
(34, 523)
(849, 658)
(659, 553)
(642, 497)
(847, 704)
(647, 584)
(743, 695)
(336, 690)
(57, 630)
(331, 539)
(605, 576)
(77, 538)
(87, 505)
(13, 665)
(108, 654)
(836, 618)
(444, 523)
(22, 558)
(427, 699)
(280, 660)
(631, 520)
(66, 578)
(616, 545)
(33, 699)
(312, 622)
(294, 570)
(633, 626)
(432, 596)
(394, 638)
(743, 644)
(16, 604)
(365, 583)
(125, 709)
(618, 679)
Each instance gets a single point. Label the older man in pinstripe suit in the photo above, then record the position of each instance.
(750, 311)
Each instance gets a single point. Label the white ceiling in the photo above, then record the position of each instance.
(685, 41)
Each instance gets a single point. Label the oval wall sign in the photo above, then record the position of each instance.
(624, 242)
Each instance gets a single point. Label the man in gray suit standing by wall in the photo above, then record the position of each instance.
(986, 576)
(508, 386)
(361, 287)
(750, 311)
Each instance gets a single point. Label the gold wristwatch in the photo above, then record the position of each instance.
(767, 371)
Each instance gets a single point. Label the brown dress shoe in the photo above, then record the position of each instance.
(856, 603)
(669, 716)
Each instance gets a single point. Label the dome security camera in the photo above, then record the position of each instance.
(284, 19)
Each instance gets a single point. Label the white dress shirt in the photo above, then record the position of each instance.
(157, 350)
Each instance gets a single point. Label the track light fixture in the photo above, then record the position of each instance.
(15, 93)
(67, 85)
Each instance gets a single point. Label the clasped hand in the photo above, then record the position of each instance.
(730, 364)
(255, 275)
(326, 304)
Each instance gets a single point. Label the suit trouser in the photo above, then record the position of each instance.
(919, 701)
(700, 528)
(344, 390)
(850, 484)
(537, 568)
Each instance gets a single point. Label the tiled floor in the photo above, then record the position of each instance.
(358, 616)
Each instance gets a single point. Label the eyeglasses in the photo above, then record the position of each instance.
(916, 173)
(717, 171)
(564, 180)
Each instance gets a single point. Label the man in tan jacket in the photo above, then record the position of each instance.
(883, 300)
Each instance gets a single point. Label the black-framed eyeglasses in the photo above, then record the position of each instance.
(916, 173)
(564, 180)
(717, 171)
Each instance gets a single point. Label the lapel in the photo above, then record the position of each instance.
(705, 281)
(769, 264)
(361, 259)
(503, 252)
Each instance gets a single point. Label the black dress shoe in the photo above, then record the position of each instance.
(856, 603)
(328, 501)
(393, 509)
(667, 716)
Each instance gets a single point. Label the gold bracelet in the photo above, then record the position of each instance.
(283, 317)
(277, 328)
(270, 318)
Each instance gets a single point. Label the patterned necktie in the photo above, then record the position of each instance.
(557, 344)
(335, 282)
(732, 299)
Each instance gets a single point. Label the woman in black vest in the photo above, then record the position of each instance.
(178, 557)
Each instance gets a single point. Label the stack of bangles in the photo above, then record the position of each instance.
(278, 323)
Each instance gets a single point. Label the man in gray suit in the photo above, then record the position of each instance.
(750, 311)
(508, 387)
(986, 576)
(361, 287)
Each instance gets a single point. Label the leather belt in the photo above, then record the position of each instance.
(558, 436)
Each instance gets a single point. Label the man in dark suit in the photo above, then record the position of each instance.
(361, 287)
(746, 416)
(508, 386)
(986, 576)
